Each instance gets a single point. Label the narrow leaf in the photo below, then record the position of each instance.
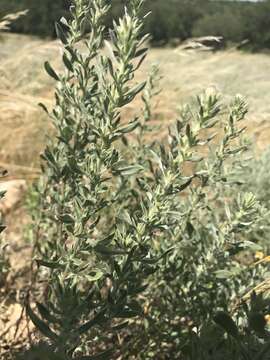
(67, 62)
(43, 107)
(49, 264)
(50, 71)
(226, 322)
(41, 326)
(45, 313)
(109, 250)
(105, 355)
(60, 33)
(97, 320)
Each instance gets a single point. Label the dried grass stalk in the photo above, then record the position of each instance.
(8, 19)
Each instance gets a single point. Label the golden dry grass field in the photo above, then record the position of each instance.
(24, 127)
(23, 84)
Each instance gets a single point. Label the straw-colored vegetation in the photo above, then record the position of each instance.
(24, 84)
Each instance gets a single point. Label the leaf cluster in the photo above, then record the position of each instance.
(128, 228)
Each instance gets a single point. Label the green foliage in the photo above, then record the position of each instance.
(257, 26)
(135, 239)
(41, 351)
(221, 23)
(41, 17)
(254, 174)
(254, 177)
(96, 267)
(239, 338)
(171, 19)
(163, 25)
(207, 228)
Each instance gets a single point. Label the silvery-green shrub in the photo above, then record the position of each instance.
(128, 228)
(95, 268)
(254, 175)
(208, 230)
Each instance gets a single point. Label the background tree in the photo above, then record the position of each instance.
(172, 19)
(257, 25)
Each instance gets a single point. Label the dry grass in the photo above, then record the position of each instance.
(23, 83)
(8, 19)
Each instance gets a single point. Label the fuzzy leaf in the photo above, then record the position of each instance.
(226, 322)
(50, 71)
(43, 107)
(66, 219)
(109, 250)
(129, 127)
(129, 170)
(41, 325)
(45, 313)
(97, 320)
(60, 33)
(67, 62)
(49, 264)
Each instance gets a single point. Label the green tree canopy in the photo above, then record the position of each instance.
(170, 19)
